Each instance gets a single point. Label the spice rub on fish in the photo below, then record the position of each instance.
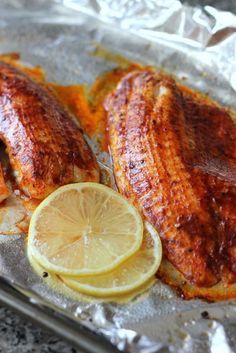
(46, 148)
(174, 156)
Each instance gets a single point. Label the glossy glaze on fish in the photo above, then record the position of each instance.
(174, 157)
(46, 148)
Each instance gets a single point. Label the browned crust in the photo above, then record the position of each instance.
(174, 157)
(45, 146)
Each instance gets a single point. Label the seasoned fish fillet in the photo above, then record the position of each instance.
(46, 148)
(174, 156)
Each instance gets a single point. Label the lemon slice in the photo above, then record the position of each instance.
(84, 228)
(56, 283)
(131, 274)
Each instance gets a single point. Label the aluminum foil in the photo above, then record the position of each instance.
(197, 45)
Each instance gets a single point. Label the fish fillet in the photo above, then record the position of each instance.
(174, 157)
(46, 148)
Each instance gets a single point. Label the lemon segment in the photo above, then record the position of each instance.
(83, 229)
(131, 274)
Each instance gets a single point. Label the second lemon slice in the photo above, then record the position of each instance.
(127, 277)
(84, 228)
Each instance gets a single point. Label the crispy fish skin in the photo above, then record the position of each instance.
(154, 150)
(46, 148)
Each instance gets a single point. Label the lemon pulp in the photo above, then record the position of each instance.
(128, 276)
(84, 229)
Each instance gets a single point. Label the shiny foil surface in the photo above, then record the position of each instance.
(197, 45)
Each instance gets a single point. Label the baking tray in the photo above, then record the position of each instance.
(86, 341)
(167, 35)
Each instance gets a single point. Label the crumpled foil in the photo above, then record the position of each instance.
(197, 45)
